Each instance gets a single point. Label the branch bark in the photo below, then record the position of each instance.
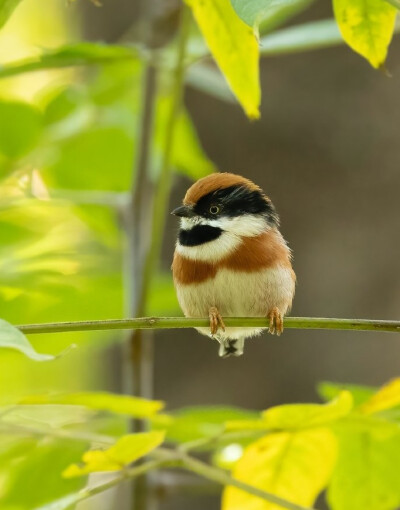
(184, 322)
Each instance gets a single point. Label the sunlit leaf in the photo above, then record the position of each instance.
(51, 416)
(234, 47)
(293, 465)
(292, 416)
(385, 398)
(6, 9)
(120, 404)
(20, 128)
(367, 27)
(12, 338)
(188, 156)
(125, 451)
(330, 390)
(367, 475)
(193, 423)
(297, 416)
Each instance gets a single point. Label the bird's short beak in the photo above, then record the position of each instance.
(184, 211)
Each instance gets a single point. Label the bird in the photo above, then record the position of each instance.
(231, 260)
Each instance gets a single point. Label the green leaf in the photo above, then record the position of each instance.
(234, 47)
(298, 416)
(254, 12)
(294, 416)
(78, 54)
(187, 156)
(281, 12)
(23, 478)
(293, 465)
(193, 423)
(12, 338)
(367, 475)
(120, 404)
(330, 390)
(6, 9)
(367, 27)
(125, 451)
(386, 398)
(20, 128)
(101, 154)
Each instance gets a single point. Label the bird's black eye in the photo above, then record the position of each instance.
(214, 209)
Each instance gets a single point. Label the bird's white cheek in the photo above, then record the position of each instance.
(246, 225)
(212, 251)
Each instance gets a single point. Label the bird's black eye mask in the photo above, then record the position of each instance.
(236, 201)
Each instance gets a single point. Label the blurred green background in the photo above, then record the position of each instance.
(325, 150)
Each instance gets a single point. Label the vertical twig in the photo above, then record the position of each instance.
(144, 242)
(163, 186)
(139, 238)
(137, 371)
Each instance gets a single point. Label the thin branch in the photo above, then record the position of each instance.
(210, 443)
(184, 322)
(163, 186)
(129, 474)
(222, 478)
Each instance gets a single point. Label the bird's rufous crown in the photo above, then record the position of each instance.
(215, 182)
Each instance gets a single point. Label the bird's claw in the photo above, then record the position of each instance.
(216, 321)
(275, 322)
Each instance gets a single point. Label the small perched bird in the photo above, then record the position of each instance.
(231, 260)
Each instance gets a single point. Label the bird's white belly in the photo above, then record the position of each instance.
(239, 294)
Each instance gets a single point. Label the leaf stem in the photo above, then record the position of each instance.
(184, 322)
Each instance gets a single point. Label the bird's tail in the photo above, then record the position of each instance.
(231, 347)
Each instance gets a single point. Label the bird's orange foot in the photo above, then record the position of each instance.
(216, 321)
(275, 321)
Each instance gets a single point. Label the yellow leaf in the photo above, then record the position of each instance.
(297, 416)
(366, 26)
(102, 401)
(234, 46)
(292, 416)
(385, 398)
(293, 465)
(125, 451)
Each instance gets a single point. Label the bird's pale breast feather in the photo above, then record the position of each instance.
(252, 280)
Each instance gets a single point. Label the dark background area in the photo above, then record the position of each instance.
(326, 151)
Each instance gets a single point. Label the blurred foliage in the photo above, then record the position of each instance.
(234, 47)
(125, 451)
(303, 449)
(68, 146)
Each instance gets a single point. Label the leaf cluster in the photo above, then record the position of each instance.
(348, 446)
